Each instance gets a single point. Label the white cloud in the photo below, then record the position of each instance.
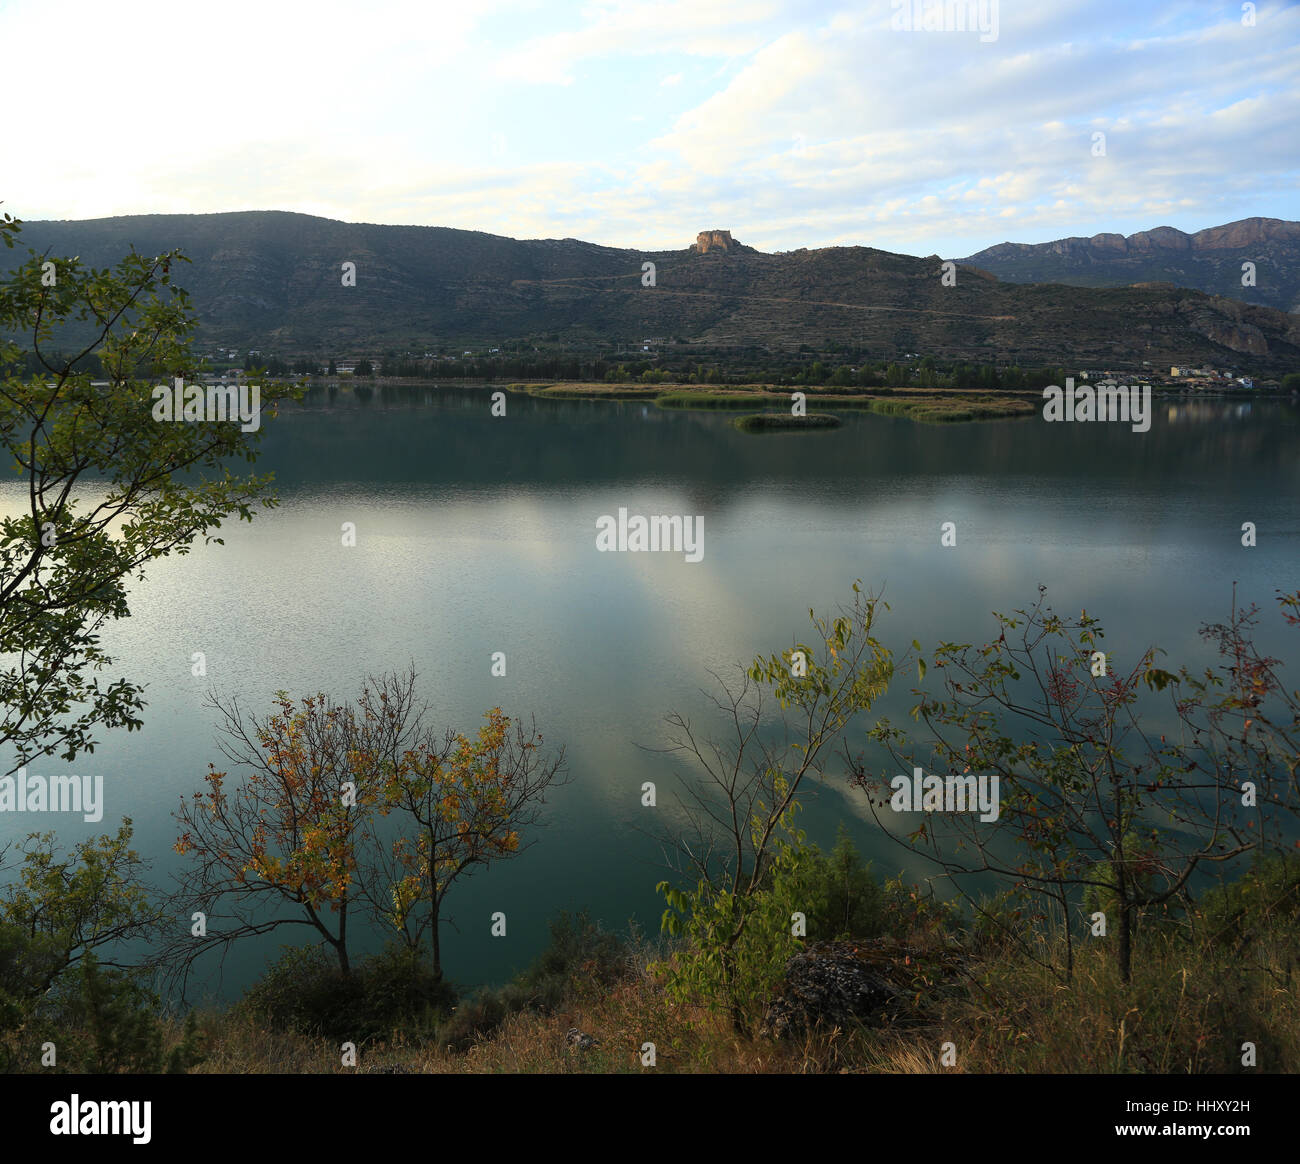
(819, 125)
(622, 28)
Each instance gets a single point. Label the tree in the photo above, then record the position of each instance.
(295, 832)
(305, 829)
(76, 903)
(850, 901)
(61, 912)
(364, 368)
(736, 945)
(109, 488)
(469, 801)
(1091, 802)
(113, 1021)
(740, 813)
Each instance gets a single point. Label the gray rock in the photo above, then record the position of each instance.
(836, 984)
(578, 1041)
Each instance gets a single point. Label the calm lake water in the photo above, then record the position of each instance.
(478, 534)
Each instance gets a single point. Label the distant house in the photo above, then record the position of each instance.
(1246, 381)
(346, 367)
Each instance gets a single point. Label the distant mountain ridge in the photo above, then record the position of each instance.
(271, 280)
(1209, 260)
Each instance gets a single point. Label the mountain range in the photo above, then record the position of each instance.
(1209, 260)
(275, 281)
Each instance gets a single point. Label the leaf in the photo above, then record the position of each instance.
(1158, 679)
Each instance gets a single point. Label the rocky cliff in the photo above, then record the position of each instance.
(1210, 260)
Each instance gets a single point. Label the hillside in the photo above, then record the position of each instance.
(1209, 260)
(271, 280)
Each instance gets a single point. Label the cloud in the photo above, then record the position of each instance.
(818, 126)
(623, 28)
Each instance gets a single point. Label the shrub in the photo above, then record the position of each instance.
(477, 1016)
(737, 976)
(915, 915)
(104, 1021)
(581, 955)
(305, 991)
(849, 902)
(1265, 900)
(580, 950)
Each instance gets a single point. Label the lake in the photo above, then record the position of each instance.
(477, 534)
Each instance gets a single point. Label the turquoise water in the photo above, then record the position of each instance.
(478, 534)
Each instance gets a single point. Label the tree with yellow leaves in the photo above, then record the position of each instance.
(305, 829)
(468, 801)
(294, 832)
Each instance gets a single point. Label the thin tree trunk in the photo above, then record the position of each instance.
(1119, 864)
(437, 946)
(1069, 937)
(342, 946)
(1125, 926)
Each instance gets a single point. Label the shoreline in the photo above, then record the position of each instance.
(923, 405)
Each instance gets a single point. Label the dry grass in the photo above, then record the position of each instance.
(1186, 1011)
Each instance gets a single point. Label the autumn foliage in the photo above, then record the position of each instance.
(353, 811)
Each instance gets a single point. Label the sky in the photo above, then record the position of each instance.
(638, 123)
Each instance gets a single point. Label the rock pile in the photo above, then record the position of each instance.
(841, 983)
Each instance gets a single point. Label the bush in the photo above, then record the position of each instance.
(477, 1016)
(917, 916)
(60, 908)
(736, 945)
(581, 955)
(305, 991)
(100, 1021)
(121, 1021)
(580, 951)
(1264, 901)
(839, 897)
(26, 963)
(849, 902)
